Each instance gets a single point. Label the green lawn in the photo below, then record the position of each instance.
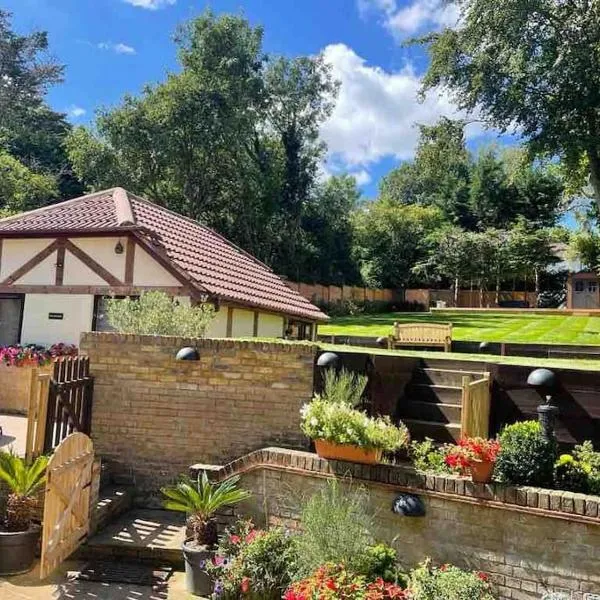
(490, 327)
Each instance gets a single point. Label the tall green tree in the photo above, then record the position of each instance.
(535, 65)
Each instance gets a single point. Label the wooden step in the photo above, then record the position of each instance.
(439, 432)
(451, 377)
(424, 392)
(152, 536)
(429, 411)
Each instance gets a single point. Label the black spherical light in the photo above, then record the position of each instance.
(328, 360)
(484, 347)
(543, 379)
(382, 342)
(188, 353)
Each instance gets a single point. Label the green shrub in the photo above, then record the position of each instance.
(448, 583)
(336, 525)
(526, 456)
(429, 458)
(343, 387)
(155, 313)
(382, 563)
(585, 454)
(571, 474)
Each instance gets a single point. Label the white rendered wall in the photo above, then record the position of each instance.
(218, 326)
(146, 271)
(243, 323)
(270, 326)
(77, 310)
(17, 252)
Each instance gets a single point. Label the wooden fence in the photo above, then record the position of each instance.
(476, 403)
(467, 298)
(59, 404)
(330, 294)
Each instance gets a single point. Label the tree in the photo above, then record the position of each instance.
(390, 239)
(535, 65)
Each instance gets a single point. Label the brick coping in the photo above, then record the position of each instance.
(282, 346)
(536, 501)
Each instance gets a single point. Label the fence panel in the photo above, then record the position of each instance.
(476, 399)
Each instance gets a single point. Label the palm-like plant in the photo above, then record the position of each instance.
(23, 481)
(200, 500)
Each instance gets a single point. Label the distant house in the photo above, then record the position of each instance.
(59, 263)
(583, 290)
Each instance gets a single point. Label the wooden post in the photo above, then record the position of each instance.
(42, 414)
(466, 407)
(31, 414)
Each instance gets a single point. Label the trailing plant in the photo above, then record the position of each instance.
(428, 582)
(155, 313)
(343, 387)
(23, 481)
(339, 423)
(429, 458)
(336, 525)
(337, 582)
(200, 500)
(254, 564)
(471, 450)
(32, 354)
(526, 456)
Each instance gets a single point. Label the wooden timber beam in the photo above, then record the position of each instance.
(88, 261)
(31, 263)
(96, 290)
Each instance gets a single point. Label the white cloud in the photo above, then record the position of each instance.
(151, 4)
(119, 48)
(412, 18)
(75, 111)
(376, 111)
(363, 177)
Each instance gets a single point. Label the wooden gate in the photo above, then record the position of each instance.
(67, 500)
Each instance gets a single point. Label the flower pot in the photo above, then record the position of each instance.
(17, 550)
(482, 471)
(197, 580)
(347, 452)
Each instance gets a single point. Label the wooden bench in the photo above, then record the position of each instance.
(421, 334)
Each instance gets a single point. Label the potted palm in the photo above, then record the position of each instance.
(342, 431)
(201, 500)
(18, 534)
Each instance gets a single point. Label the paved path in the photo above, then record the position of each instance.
(58, 587)
(14, 429)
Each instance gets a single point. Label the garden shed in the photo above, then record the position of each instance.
(59, 263)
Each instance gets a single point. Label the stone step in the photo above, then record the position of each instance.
(439, 432)
(424, 392)
(113, 501)
(451, 377)
(152, 536)
(429, 411)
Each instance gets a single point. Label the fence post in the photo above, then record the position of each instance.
(31, 414)
(466, 407)
(42, 412)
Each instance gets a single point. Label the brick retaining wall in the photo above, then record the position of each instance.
(153, 416)
(529, 540)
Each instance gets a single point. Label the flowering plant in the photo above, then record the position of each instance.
(472, 450)
(62, 349)
(18, 356)
(252, 563)
(336, 582)
(339, 423)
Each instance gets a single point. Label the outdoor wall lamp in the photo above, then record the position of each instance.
(382, 342)
(328, 360)
(408, 505)
(544, 381)
(119, 248)
(187, 353)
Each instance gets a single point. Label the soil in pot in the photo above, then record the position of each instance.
(347, 452)
(481, 472)
(197, 580)
(17, 550)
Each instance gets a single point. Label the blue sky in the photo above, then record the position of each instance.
(114, 47)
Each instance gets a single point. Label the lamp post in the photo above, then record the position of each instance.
(544, 382)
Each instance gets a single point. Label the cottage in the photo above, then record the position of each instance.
(583, 291)
(59, 263)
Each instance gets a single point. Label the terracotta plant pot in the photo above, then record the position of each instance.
(481, 472)
(347, 452)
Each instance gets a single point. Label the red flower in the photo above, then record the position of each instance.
(235, 539)
(245, 586)
(483, 576)
(330, 584)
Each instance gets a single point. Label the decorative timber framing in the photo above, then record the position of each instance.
(89, 262)
(229, 330)
(60, 262)
(95, 290)
(129, 260)
(31, 263)
(255, 327)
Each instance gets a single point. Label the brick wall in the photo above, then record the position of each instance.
(530, 541)
(153, 416)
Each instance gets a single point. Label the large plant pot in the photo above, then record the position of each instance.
(197, 580)
(17, 550)
(481, 472)
(347, 452)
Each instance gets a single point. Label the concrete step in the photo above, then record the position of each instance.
(114, 500)
(425, 392)
(153, 536)
(439, 432)
(429, 411)
(451, 377)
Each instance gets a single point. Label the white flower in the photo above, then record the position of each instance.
(304, 410)
(314, 421)
(350, 431)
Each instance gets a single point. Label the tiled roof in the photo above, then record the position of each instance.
(216, 265)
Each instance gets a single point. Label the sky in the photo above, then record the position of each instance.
(115, 47)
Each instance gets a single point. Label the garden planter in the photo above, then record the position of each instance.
(197, 580)
(347, 452)
(481, 472)
(17, 550)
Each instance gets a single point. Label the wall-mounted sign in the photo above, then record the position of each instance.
(56, 316)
